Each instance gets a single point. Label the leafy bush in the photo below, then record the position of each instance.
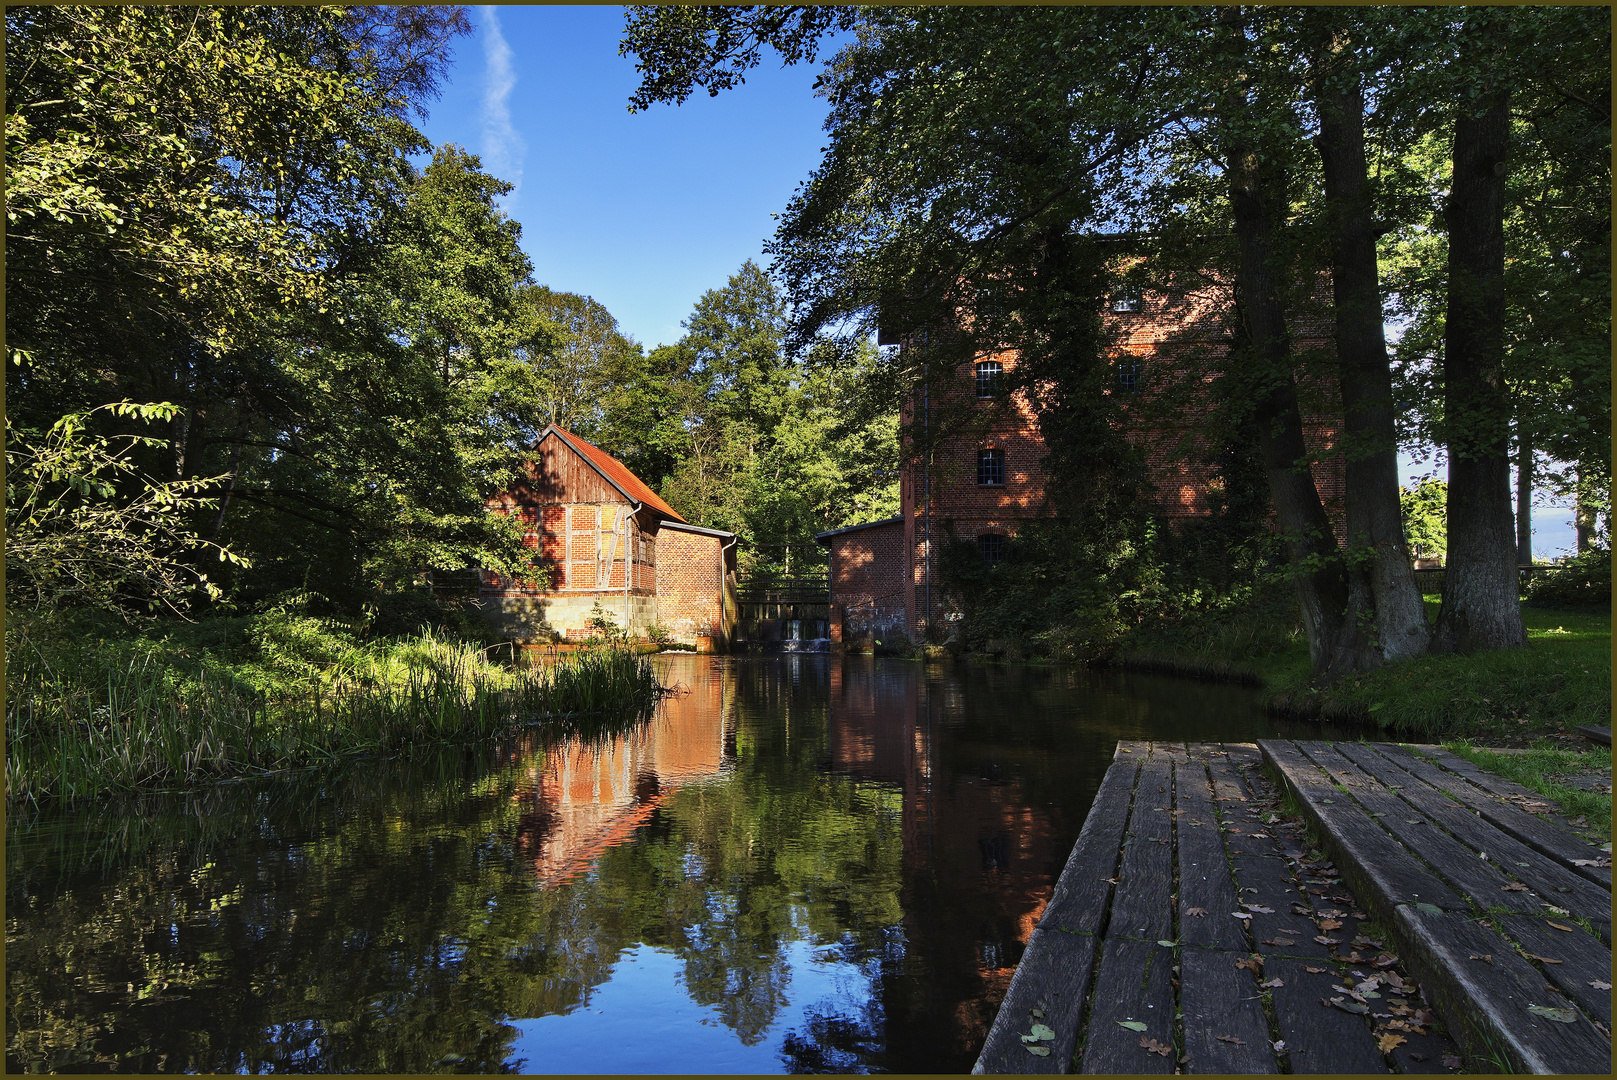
(1584, 581)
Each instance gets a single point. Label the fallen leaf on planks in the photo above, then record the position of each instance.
(1196, 912)
(1272, 983)
(1484, 957)
(1540, 959)
(1515, 886)
(1037, 1051)
(1154, 1047)
(1233, 1040)
(1592, 862)
(1251, 963)
(1549, 1012)
(1280, 1046)
(1385, 960)
(1387, 1042)
(1315, 970)
(1330, 924)
(1451, 1061)
(1599, 985)
(1346, 1006)
(1132, 1025)
(1558, 926)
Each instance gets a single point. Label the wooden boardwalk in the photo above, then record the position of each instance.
(1194, 929)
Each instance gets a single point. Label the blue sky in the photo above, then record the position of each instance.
(643, 212)
(646, 212)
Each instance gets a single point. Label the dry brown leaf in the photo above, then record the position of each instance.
(1385, 960)
(1233, 1040)
(1515, 886)
(1154, 1047)
(1272, 983)
(1558, 926)
(1540, 959)
(1196, 912)
(1330, 924)
(1278, 943)
(1315, 970)
(1484, 957)
(1251, 963)
(1387, 1042)
(1600, 985)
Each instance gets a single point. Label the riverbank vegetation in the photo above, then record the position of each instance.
(93, 710)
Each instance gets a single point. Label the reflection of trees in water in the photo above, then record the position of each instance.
(386, 920)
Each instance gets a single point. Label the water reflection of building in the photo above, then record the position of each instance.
(590, 795)
(980, 859)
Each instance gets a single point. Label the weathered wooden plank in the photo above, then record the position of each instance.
(1205, 883)
(1546, 876)
(1379, 869)
(1142, 905)
(1319, 1038)
(1453, 861)
(1547, 837)
(1266, 881)
(1487, 1003)
(1053, 978)
(1079, 899)
(1172, 751)
(1133, 985)
(1584, 960)
(1225, 1029)
(1242, 754)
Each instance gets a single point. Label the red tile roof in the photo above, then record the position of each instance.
(616, 473)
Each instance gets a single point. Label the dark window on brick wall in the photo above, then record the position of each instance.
(1130, 374)
(1127, 299)
(992, 546)
(991, 467)
(988, 373)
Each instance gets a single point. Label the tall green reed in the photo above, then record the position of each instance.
(87, 724)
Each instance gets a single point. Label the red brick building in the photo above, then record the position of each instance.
(984, 483)
(606, 539)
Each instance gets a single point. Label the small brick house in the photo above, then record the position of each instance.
(605, 538)
(983, 485)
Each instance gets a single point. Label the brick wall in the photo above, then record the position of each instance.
(867, 579)
(1169, 348)
(695, 585)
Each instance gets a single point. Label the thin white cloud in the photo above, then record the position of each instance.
(502, 148)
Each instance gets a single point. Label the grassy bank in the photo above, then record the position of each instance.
(1505, 698)
(89, 714)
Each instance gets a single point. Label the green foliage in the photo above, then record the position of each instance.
(218, 210)
(1582, 581)
(1425, 509)
(85, 526)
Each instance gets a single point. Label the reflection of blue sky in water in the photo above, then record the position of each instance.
(642, 1020)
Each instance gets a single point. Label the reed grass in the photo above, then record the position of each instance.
(86, 723)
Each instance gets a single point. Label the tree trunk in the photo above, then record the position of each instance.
(1377, 553)
(1321, 583)
(1481, 608)
(1524, 495)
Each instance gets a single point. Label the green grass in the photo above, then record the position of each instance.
(1545, 770)
(1561, 680)
(89, 715)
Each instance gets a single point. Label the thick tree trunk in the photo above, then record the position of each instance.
(1377, 553)
(1524, 495)
(1481, 608)
(1321, 583)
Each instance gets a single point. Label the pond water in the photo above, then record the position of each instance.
(801, 864)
